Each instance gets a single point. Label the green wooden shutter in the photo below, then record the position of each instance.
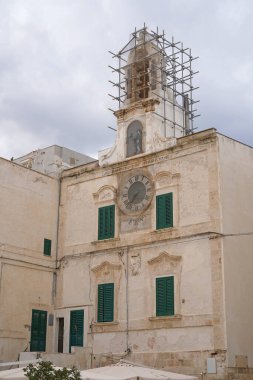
(100, 303)
(38, 330)
(76, 328)
(105, 302)
(164, 211)
(47, 247)
(165, 296)
(106, 222)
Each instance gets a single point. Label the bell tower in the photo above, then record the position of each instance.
(154, 96)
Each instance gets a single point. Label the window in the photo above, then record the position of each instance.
(47, 247)
(165, 296)
(105, 302)
(164, 211)
(106, 219)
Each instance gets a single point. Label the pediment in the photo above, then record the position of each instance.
(165, 178)
(106, 267)
(166, 258)
(105, 193)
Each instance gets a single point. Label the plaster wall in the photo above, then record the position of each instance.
(28, 203)
(236, 186)
(189, 170)
(22, 289)
(135, 294)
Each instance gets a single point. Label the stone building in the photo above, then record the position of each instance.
(144, 254)
(52, 160)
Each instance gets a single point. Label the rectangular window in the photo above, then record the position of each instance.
(76, 328)
(105, 302)
(165, 296)
(47, 247)
(164, 211)
(106, 222)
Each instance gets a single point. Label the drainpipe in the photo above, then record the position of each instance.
(57, 243)
(127, 305)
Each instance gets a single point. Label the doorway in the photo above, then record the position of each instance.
(60, 334)
(38, 330)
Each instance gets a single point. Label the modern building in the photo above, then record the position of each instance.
(144, 254)
(52, 160)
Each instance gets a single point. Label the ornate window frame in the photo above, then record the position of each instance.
(164, 265)
(106, 273)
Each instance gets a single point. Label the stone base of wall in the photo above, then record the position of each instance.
(189, 363)
(81, 359)
(240, 373)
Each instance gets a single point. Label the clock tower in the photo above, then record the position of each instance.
(155, 105)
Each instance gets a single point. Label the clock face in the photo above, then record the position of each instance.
(136, 194)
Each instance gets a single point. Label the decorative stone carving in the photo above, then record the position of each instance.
(111, 155)
(135, 264)
(64, 263)
(106, 269)
(159, 142)
(107, 272)
(164, 178)
(105, 193)
(166, 262)
(147, 105)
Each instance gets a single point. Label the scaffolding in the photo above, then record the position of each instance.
(173, 73)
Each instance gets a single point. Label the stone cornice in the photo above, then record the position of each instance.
(188, 143)
(148, 105)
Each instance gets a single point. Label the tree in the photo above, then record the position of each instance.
(45, 370)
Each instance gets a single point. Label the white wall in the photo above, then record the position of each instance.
(28, 204)
(236, 179)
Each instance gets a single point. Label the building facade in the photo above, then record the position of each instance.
(144, 254)
(52, 160)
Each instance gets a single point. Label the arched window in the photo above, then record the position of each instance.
(134, 138)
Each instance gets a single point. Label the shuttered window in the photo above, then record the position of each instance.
(105, 302)
(165, 296)
(106, 222)
(38, 330)
(47, 247)
(164, 211)
(76, 328)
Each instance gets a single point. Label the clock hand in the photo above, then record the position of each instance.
(133, 197)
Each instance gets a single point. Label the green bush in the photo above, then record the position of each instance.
(45, 371)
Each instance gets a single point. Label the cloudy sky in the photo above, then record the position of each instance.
(54, 66)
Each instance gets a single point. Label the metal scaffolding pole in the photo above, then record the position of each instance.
(174, 73)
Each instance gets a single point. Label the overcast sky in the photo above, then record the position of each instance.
(54, 66)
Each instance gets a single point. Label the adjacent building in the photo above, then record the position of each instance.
(52, 160)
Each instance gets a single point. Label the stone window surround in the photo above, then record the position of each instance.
(164, 265)
(106, 273)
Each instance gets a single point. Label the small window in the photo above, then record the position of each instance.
(47, 247)
(105, 302)
(164, 211)
(106, 222)
(165, 296)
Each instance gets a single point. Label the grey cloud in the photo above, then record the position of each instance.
(53, 66)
